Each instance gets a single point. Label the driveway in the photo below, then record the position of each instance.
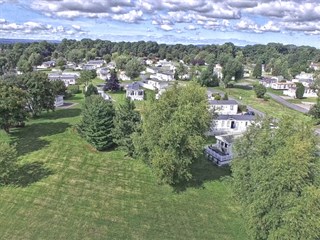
(286, 103)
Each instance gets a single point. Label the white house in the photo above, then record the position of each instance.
(67, 78)
(96, 63)
(164, 75)
(282, 85)
(149, 62)
(123, 76)
(224, 107)
(46, 65)
(314, 66)
(134, 92)
(308, 92)
(151, 70)
(58, 101)
(153, 84)
(111, 65)
(221, 152)
(228, 124)
(103, 73)
(217, 70)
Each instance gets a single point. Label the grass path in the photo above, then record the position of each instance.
(70, 191)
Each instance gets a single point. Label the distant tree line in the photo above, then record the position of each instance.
(287, 60)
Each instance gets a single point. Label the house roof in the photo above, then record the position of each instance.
(239, 117)
(228, 138)
(223, 102)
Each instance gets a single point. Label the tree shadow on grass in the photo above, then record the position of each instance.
(243, 87)
(28, 139)
(29, 173)
(62, 113)
(203, 171)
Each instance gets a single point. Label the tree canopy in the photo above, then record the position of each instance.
(172, 132)
(133, 68)
(12, 106)
(276, 179)
(40, 92)
(126, 122)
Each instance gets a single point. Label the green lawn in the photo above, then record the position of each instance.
(270, 107)
(298, 101)
(64, 189)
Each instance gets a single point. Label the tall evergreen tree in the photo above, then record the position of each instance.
(276, 179)
(125, 124)
(299, 90)
(112, 83)
(97, 122)
(257, 71)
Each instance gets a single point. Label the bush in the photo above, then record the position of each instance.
(217, 97)
(225, 97)
(266, 98)
(242, 108)
(74, 89)
(299, 90)
(91, 90)
(260, 90)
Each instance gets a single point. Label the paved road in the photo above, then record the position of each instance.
(286, 103)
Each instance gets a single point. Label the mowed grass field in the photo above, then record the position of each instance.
(270, 107)
(67, 190)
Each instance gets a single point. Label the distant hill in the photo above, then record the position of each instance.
(12, 41)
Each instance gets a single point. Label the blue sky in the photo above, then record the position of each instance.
(166, 21)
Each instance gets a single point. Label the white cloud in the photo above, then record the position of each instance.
(166, 27)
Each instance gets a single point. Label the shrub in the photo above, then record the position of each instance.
(217, 97)
(74, 89)
(242, 108)
(260, 90)
(299, 90)
(91, 90)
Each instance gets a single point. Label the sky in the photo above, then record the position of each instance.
(165, 21)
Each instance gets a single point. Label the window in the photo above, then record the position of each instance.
(231, 107)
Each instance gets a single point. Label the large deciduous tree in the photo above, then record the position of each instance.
(59, 88)
(172, 132)
(40, 92)
(133, 68)
(12, 106)
(86, 77)
(208, 79)
(97, 122)
(126, 122)
(276, 179)
(232, 71)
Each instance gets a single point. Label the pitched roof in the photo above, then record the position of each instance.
(240, 117)
(223, 102)
(228, 138)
